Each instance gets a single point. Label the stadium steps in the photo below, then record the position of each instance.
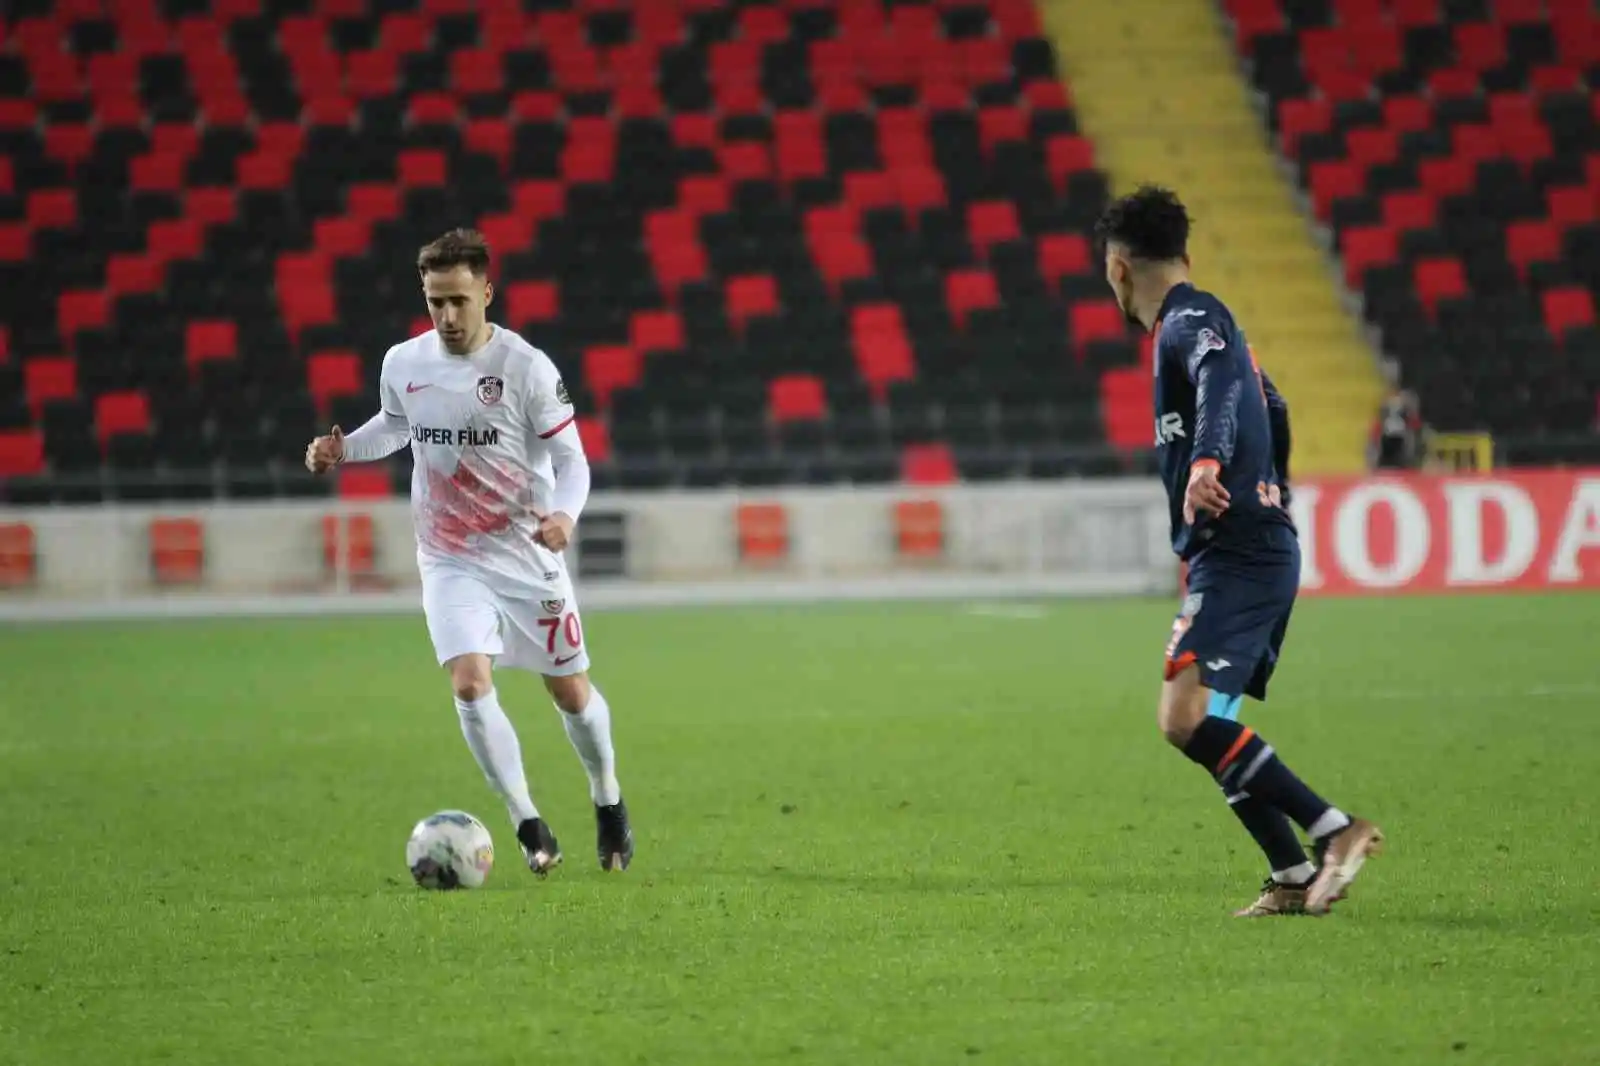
(1178, 112)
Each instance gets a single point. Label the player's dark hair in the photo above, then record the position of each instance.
(1150, 222)
(459, 247)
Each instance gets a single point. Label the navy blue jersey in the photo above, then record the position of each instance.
(1213, 404)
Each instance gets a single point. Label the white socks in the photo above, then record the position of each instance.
(494, 744)
(590, 733)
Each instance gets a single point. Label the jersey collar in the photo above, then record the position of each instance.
(1180, 291)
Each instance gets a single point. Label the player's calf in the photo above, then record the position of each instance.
(493, 742)
(587, 718)
(1262, 790)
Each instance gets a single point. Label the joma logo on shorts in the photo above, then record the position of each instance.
(1169, 427)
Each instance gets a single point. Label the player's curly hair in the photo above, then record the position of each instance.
(459, 247)
(1151, 222)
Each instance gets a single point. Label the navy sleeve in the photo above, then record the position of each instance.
(1278, 416)
(1219, 379)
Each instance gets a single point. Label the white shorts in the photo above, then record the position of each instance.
(466, 615)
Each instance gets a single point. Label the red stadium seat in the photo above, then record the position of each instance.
(175, 239)
(1062, 255)
(750, 296)
(422, 167)
(1371, 146)
(1572, 207)
(966, 291)
(82, 309)
(796, 397)
(508, 233)
(1439, 279)
(1407, 114)
(1300, 116)
(927, 464)
(121, 412)
(21, 455)
(656, 331)
(1334, 181)
(52, 209)
(334, 373)
(1445, 177)
(703, 194)
(532, 301)
(1532, 242)
(1125, 404)
(608, 368)
(1366, 247)
(1567, 308)
(207, 340)
(490, 136)
(49, 378)
(1096, 320)
(596, 439)
(1065, 156)
(991, 222)
(1404, 211)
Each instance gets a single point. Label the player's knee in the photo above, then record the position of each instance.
(570, 693)
(471, 677)
(1182, 708)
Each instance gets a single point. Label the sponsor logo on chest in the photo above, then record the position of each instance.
(438, 414)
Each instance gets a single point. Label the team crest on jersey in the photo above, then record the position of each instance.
(553, 606)
(1207, 341)
(562, 395)
(490, 389)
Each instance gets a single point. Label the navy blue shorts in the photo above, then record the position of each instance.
(1234, 618)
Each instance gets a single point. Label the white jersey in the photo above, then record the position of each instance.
(481, 429)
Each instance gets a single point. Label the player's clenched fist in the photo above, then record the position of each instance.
(1205, 493)
(555, 531)
(326, 452)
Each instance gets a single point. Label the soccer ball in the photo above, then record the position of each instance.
(450, 849)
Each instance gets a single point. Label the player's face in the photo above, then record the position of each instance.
(458, 302)
(1119, 275)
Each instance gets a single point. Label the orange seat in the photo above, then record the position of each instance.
(177, 550)
(19, 558)
(763, 532)
(919, 528)
(353, 540)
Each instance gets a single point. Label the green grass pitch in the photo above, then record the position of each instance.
(873, 834)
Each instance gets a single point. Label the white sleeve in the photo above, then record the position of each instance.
(549, 406)
(571, 491)
(385, 432)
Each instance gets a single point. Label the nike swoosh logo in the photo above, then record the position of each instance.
(568, 659)
(412, 386)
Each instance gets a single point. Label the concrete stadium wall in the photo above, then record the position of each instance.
(1100, 537)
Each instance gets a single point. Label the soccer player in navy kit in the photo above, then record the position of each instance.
(1222, 432)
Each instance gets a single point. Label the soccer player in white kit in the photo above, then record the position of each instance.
(499, 481)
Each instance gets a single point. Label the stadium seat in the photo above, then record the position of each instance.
(647, 176)
(177, 551)
(1451, 148)
(763, 532)
(928, 464)
(919, 529)
(21, 453)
